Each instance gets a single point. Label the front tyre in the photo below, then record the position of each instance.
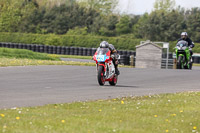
(100, 76)
(114, 80)
(180, 62)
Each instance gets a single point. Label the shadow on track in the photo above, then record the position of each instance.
(127, 86)
(121, 86)
(117, 86)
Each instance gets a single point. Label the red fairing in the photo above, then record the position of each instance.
(94, 57)
(108, 54)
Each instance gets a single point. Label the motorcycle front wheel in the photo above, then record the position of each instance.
(180, 62)
(100, 76)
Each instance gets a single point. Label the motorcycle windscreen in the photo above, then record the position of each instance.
(182, 44)
(101, 54)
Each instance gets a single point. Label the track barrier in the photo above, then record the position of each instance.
(126, 57)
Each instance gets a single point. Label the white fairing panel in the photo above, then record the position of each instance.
(111, 68)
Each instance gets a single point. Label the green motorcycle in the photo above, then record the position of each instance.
(183, 56)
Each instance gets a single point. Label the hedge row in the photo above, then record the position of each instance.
(64, 50)
(87, 41)
(69, 40)
(59, 49)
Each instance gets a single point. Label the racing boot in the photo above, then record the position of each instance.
(191, 61)
(117, 70)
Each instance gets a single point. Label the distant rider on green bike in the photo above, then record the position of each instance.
(184, 36)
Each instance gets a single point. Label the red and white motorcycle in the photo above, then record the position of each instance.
(105, 67)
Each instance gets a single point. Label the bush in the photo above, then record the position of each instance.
(78, 31)
(53, 40)
(89, 41)
(121, 43)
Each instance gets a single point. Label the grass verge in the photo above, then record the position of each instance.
(25, 54)
(196, 64)
(73, 56)
(148, 114)
(22, 57)
(4, 62)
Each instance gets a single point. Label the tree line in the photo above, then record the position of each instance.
(97, 17)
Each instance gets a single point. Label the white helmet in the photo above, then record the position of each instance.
(184, 34)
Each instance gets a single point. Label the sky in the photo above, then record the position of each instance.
(141, 6)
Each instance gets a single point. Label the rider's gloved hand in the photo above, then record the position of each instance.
(192, 45)
(113, 56)
(190, 48)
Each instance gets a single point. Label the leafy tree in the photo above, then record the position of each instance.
(64, 17)
(124, 25)
(164, 5)
(140, 28)
(96, 25)
(104, 6)
(31, 18)
(160, 26)
(193, 23)
(109, 26)
(13, 13)
(10, 15)
(51, 3)
(134, 19)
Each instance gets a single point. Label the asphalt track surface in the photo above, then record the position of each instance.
(40, 85)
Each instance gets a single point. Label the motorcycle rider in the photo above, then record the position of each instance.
(184, 37)
(114, 54)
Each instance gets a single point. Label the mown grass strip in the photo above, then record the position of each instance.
(72, 56)
(22, 54)
(146, 114)
(22, 57)
(196, 64)
(4, 62)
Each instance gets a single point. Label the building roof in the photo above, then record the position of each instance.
(148, 43)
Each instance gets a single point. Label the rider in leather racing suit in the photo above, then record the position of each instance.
(114, 54)
(184, 37)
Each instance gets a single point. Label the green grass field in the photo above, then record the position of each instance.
(147, 114)
(196, 64)
(24, 54)
(27, 54)
(21, 57)
(4, 62)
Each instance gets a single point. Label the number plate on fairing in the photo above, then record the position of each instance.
(101, 58)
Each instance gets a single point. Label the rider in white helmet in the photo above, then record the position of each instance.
(184, 36)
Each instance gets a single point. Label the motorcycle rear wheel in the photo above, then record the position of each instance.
(100, 76)
(114, 80)
(190, 66)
